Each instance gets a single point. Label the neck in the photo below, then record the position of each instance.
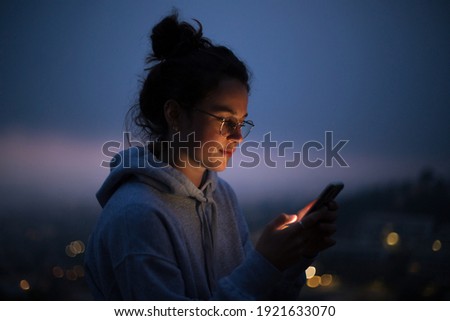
(195, 175)
(180, 161)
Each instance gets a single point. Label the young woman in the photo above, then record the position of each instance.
(171, 229)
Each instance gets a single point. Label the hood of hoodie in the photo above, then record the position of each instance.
(139, 163)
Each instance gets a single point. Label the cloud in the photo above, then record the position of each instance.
(59, 169)
(49, 167)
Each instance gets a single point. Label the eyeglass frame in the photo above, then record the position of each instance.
(224, 120)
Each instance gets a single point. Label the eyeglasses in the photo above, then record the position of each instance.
(229, 127)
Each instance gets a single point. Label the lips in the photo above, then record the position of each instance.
(228, 152)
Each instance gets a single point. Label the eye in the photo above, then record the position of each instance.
(231, 124)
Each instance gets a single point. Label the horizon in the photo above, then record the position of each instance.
(375, 74)
(70, 169)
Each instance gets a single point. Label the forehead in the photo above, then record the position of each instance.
(230, 97)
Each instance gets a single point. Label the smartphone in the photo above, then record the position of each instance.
(328, 194)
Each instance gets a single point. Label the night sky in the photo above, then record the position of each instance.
(375, 73)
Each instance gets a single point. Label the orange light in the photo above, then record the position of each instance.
(392, 239)
(69, 251)
(71, 275)
(24, 285)
(77, 247)
(326, 280)
(58, 272)
(310, 272)
(313, 282)
(291, 220)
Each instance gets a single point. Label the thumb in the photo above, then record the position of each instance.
(282, 221)
(305, 210)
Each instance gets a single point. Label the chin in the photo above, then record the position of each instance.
(219, 165)
(219, 169)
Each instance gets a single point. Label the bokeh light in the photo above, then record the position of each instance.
(437, 245)
(58, 272)
(392, 239)
(310, 272)
(71, 275)
(313, 282)
(24, 285)
(326, 280)
(75, 248)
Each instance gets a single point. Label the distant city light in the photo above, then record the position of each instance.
(326, 280)
(75, 248)
(71, 275)
(392, 239)
(69, 252)
(310, 272)
(313, 282)
(437, 245)
(24, 285)
(58, 272)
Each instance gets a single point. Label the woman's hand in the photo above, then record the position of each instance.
(285, 239)
(318, 228)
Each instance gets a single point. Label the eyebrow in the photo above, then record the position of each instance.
(226, 109)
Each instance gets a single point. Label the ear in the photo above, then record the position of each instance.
(172, 113)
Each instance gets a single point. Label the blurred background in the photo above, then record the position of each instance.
(375, 73)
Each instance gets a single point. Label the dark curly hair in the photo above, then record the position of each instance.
(185, 67)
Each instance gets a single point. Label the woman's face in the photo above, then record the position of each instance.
(211, 149)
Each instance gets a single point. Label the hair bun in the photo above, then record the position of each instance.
(172, 38)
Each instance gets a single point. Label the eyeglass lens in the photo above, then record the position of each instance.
(229, 128)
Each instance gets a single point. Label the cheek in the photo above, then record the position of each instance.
(212, 156)
(206, 133)
(211, 145)
(211, 151)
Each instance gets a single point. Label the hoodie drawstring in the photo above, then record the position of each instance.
(207, 212)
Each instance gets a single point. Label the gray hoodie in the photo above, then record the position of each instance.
(159, 237)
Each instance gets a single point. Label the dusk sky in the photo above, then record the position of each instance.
(375, 73)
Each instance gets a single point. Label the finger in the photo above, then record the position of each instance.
(298, 229)
(327, 228)
(320, 245)
(282, 221)
(328, 217)
(332, 206)
(312, 218)
(303, 211)
(296, 243)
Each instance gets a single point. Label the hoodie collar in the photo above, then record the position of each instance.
(141, 164)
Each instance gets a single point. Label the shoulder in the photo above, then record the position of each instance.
(133, 203)
(135, 220)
